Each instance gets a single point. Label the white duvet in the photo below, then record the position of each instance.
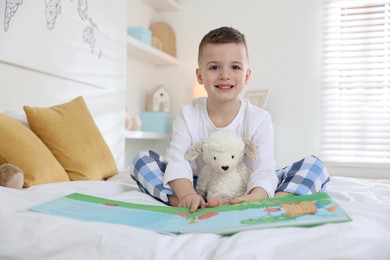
(30, 235)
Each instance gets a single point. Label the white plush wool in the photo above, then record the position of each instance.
(224, 176)
(223, 141)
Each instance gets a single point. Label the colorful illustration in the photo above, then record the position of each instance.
(194, 217)
(289, 211)
(305, 210)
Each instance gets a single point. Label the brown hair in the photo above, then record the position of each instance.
(222, 35)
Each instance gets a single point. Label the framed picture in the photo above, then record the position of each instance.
(258, 98)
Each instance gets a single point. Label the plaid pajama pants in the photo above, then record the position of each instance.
(306, 176)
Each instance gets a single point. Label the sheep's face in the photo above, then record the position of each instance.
(223, 161)
(222, 151)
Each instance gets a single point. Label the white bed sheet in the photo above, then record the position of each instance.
(31, 235)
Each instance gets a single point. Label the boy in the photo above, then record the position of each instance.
(224, 71)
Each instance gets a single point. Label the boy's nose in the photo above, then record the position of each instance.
(224, 75)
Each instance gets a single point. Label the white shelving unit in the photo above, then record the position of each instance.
(163, 5)
(141, 135)
(148, 53)
(136, 141)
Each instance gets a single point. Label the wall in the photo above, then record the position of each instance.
(284, 39)
(21, 86)
(284, 46)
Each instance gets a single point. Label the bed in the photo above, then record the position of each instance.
(31, 235)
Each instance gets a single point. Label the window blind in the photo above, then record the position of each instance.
(356, 82)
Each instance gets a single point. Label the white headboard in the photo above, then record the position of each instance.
(107, 106)
(54, 66)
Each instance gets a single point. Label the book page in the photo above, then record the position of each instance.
(275, 212)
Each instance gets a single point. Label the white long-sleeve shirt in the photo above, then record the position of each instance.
(193, 125)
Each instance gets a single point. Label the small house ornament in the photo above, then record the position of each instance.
(158, 100)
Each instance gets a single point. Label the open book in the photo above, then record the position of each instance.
(304, 210)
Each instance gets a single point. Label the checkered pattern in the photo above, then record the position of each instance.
(148, 173)
(306, 176)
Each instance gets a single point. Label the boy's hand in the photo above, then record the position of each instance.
(214, 202)
(192, 201)
(186, 196)
(256, 193)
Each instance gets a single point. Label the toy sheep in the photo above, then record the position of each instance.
(11, 176)
(224, 175)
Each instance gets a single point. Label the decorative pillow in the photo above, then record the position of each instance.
(21, 147)
(70, 133)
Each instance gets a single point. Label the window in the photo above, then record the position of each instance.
(356, 82)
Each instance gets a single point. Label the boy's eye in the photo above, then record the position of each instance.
(213, 67)
(236, 67)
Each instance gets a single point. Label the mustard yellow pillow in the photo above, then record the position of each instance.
(70, 133)
(21, 147)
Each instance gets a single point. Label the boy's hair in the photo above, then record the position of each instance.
(222, 35)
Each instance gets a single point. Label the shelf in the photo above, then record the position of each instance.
(163, 5)
(141, 135)
(147, 53)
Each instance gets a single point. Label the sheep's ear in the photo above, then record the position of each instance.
(194, 151)
(250, 148)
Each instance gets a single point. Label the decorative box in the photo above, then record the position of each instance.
(158, 100)
(160, 122)
(140, 33)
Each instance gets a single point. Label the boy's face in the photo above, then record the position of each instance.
(223, 70)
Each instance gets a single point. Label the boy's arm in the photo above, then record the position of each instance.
(263, 175)
(186, 195)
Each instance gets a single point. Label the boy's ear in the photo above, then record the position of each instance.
(248, 75)
(194, 152)
(199, 76)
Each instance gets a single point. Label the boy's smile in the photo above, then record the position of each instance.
(224, 86)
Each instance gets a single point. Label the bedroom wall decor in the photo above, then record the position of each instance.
(70, 39)
(158, 100)
(258, 98)
(164, 37)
